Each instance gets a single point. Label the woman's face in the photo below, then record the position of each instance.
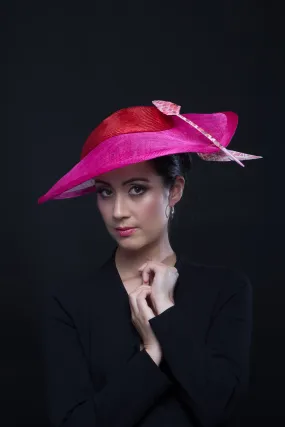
(140, 203)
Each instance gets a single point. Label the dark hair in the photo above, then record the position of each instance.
(170, 166)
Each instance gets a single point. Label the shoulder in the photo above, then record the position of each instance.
(214, 289)
(74, 293)
(219, 279)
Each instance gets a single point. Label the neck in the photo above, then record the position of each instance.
(129, 261)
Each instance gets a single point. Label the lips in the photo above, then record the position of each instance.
(124, 229)
(127, 232)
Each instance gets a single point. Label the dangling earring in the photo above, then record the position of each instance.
(171, 212)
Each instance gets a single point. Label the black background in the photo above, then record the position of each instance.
(65, 66)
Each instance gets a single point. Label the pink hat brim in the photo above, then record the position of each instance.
(112, 153)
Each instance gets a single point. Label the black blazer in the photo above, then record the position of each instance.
(97, 376)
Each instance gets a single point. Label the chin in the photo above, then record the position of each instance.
(127, 243)
(130, 243)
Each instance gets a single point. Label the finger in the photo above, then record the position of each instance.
(133, 297)
(144, 275)
(143, 292)
(142, 304)
(148, 275)
(136, 309)
(145, 272)
(138, 290)
(145, 278)
(142, 266)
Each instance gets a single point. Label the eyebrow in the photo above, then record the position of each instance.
(125, 182)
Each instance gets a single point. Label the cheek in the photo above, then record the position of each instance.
(152, 208)
(102, 208)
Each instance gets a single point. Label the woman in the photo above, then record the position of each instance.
(150, 339)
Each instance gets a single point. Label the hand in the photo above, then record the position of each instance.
(141, 314)
(162, 279)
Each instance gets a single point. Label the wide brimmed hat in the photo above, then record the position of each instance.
(136, 134)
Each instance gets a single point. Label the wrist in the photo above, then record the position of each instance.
(163, 305)
(155, 354)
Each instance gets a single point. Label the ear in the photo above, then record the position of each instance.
(177, 189)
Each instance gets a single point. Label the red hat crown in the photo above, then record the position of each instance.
(127, 120)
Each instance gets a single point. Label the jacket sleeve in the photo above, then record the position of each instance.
(211, 374)
(72, 400)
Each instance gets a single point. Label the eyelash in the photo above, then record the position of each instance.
(100, 191)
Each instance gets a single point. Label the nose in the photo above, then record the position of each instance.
(120, 208)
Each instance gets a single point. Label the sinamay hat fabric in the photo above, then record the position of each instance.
(136, 134)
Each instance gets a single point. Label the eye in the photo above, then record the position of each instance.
(141, 188)
(101, 190)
